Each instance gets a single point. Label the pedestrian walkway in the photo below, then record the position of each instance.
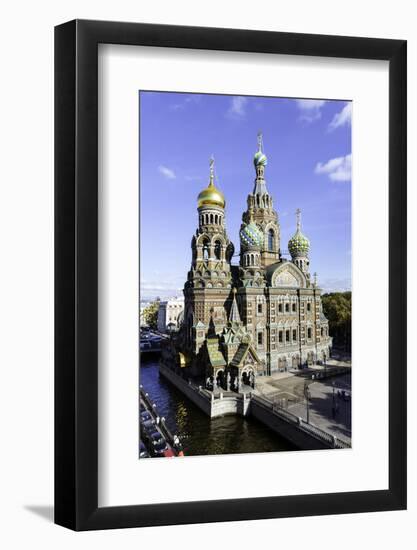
(325, 409)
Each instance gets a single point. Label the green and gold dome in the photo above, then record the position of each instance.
(211, 196)
(298, 245)
(251, 235)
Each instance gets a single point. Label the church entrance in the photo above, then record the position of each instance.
(248, 378)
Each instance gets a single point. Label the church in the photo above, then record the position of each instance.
(261, 316)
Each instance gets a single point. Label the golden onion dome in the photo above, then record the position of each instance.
(211, 196)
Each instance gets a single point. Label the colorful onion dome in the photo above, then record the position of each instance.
(260, 158)
(211, 196)
(251, 235)
(298, 245)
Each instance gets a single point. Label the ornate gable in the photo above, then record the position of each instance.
(287, 275)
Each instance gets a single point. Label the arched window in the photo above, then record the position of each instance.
(271, 240)
(211, 218)
(205, 250)
(217, 250)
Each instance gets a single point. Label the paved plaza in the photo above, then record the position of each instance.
(329, 402)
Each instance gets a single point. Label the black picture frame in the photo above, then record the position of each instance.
(76, 272)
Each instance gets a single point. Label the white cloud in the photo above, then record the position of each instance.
(187, 100)
(338, 169)
(237, 107)
(310, 109)
(167, 172)
(342, 118)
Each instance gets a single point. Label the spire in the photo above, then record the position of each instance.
(260, 143)
(234, 316)
(298, 214)
(211, 184)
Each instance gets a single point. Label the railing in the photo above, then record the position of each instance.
(314, 431)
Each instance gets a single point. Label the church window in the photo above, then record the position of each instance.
(280, 308)
(260, 338)
(287, 307)
(287, 335)
(271, 239)
(309, 333)
(259, 308)
(308, 306)
(280, 336)
(205, 250)
(294, 334)
(211, 218)
(294, 307)
(217, 249)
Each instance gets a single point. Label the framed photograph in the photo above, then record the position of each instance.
(230, 338)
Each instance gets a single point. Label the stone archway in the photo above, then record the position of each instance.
(220, 379)
(248, 377)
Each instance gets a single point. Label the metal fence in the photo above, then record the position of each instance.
(314, 431)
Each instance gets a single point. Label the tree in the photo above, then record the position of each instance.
(150, 314)
(337, 307)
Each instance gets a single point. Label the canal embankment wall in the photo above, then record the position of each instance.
(290, 427)
(294, 429)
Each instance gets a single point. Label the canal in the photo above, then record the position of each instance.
(199, 434)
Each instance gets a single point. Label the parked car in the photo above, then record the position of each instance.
(155, 436)
(160, 448)
(143, 453)
(145, 416)
(147, 426)
(168, 452)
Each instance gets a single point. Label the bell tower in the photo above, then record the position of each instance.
(208, 287)
(261, 211)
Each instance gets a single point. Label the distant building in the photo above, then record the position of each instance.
(262, 316)
(170, 314)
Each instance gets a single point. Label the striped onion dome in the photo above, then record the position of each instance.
(251, 235)
(260, 159)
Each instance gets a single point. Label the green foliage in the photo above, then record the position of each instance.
(150, 314)
(337, 307)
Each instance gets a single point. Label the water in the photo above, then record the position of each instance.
(199, 434)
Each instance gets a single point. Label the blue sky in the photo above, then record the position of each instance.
(308, 145)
